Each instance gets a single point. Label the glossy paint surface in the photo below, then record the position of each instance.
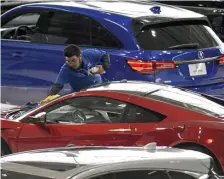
(29, 69)
(85, 162)
(180, 127)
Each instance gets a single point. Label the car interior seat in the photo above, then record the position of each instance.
(41, 29)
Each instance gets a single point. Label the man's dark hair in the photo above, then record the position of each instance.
(72, 50)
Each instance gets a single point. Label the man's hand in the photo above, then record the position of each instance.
(97, 70)
(49, 98)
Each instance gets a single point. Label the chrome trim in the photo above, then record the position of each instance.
(196, 60)
(120, 130)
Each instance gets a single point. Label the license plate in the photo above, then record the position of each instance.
(197, 69)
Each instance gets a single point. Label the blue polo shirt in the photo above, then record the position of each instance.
(80, 78)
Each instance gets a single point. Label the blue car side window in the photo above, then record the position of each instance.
(24, 19)
(71, 28)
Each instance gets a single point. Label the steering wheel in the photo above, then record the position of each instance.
(22, 27)
(78, 114)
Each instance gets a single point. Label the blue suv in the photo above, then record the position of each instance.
(153, 42)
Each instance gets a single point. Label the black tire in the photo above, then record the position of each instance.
(217, 167)
(4, 148)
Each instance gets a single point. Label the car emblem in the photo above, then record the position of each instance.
(200, 54)
(156, 10)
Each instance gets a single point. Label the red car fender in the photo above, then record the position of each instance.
(212, 138)
(181, 142)
(10, 131)
(207, 134)
(192, 133)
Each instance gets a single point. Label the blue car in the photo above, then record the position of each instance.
(154, 42)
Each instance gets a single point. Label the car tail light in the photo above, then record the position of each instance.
(221, 60)
(149, 67)
(164, 65)
(141, 66)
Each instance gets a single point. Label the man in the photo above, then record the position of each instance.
(81, 70)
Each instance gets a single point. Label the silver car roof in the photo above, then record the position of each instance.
(94, 160)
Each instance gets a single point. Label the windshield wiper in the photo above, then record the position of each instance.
(185, 46)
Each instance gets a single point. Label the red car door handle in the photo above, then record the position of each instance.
(120, 130)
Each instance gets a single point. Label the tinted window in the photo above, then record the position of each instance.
(138, 114)
(25, 19)
(209, 4)
(60, 167)
(101, 37)
(163, 36)
(69, 28)
(217, 23)
(188, 100)
(146, 175)
(87, 110)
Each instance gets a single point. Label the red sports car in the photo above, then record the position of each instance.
(126, 113)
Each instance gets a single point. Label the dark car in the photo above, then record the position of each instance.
(148, 162)
(214, 10)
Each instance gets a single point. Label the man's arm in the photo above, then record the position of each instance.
(59, 83)
(101, 60)
(55, 89)
(105, 60)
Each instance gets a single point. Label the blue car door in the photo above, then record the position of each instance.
(30, 66)
(15, 53)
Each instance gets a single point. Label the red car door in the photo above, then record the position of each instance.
(97, 121)
(35, 136)
(91, 134)
(79, 121)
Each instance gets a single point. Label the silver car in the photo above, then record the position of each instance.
(148, 162)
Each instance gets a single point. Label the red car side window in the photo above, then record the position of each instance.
(137, 114)
(89, 110)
